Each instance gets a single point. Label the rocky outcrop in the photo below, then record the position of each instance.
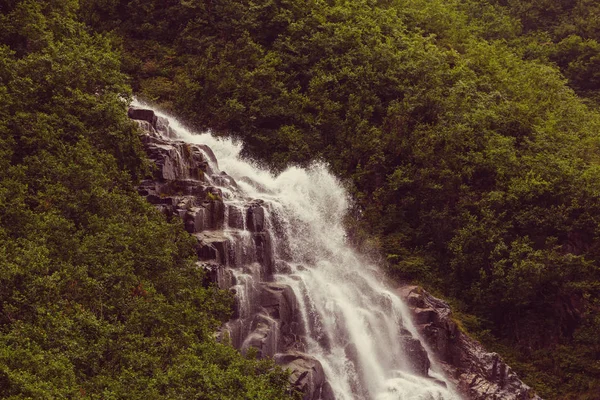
(476, 373)
(237, 238)
(234, 247)
(307, 375)
(417, 355)
(143, 115)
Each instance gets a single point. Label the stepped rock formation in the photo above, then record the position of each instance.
(303, 296)
(477, 374)
(233, 247)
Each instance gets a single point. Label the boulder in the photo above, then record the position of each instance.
(148, 129)
(143, 115)
(326, 392)
(282, 267)
(477, 374)
(216, 213)
(264, 336)
(307, 375)
(210, 155)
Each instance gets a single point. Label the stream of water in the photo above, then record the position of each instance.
(352, 322)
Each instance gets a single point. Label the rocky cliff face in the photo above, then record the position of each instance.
(233, 247)
(477, 374)
(243, 244)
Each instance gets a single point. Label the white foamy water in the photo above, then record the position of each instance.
(354, 324)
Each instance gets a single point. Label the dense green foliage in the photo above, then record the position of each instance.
(466, 131)
(566, 32)
(99, 296)
(474, 166)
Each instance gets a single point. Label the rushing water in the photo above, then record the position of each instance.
(353, 323)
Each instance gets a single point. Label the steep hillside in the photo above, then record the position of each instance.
(465, 130)
(473, 165)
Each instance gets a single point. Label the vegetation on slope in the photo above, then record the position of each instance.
(457, 124)
(474, 166)
(565, 32)
(99, 295)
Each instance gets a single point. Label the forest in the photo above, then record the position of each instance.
(466, 131)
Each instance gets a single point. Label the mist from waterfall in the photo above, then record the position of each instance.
(351, 321)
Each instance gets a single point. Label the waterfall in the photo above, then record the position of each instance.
(303, 293)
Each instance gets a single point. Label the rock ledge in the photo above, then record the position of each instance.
(476, 373)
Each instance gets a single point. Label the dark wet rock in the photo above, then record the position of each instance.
(197, 219)
(215, 192)
(241, 251)
(215, 209)
(155, 199)
(186, 202)
(209, 154)
(207, 252)
(476, 373)
(229, 178)
(143, 115)
(162, 126)
(279, 301)
(235, 218)
(177, 198)
(358, 384)
(176, 161)
(181, 188)
(216, 273)
(326, 392)
(217, 214)
(417, 355)
(264, 254)
(212, 246)
(234, 329)
(256, 218)
(148, 129)
(307, 375)
(173, 160)
(423, 315)
(351, 352)
(264, 336)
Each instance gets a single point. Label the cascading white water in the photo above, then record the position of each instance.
(353, 323)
